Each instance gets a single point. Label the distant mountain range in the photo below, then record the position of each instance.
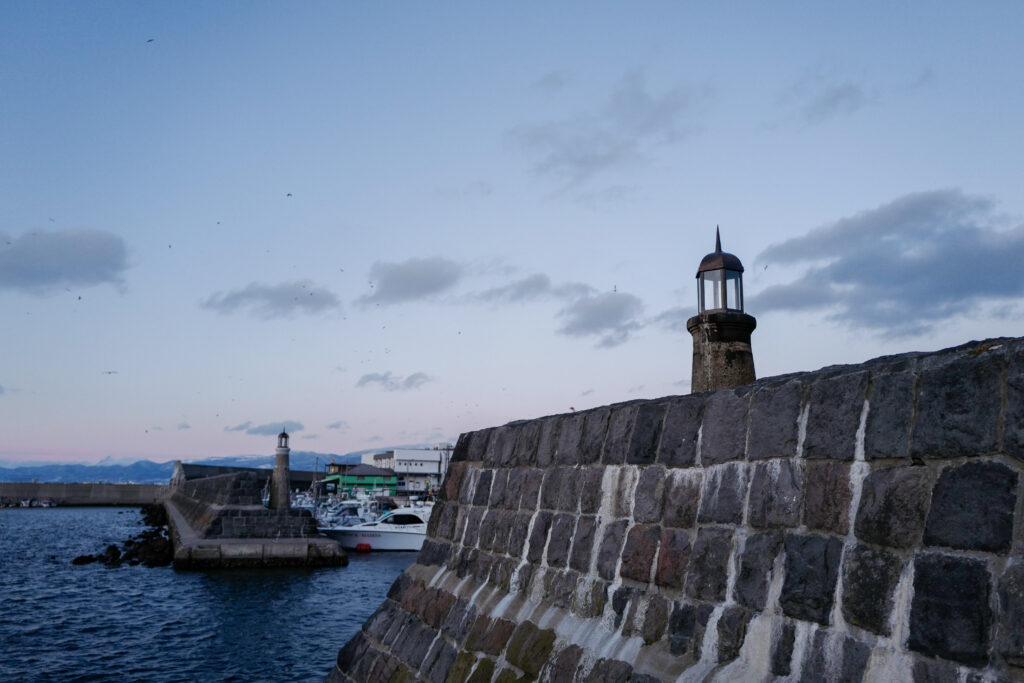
(149, 472)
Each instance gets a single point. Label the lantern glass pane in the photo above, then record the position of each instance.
(733, 293)
(712, 281)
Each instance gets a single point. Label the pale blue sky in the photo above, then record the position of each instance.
(388, 223)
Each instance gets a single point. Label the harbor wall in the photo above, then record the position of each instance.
(85, 494)
(860, 522)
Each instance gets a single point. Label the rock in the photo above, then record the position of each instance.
(812, 567)
(639, 551)
(725, 490)
(583, 543)
(647, 426)
(595, 427)
(547, 444)
(722, 436)
(773, 421)
(561, 537)
(620, 425)
(972, 508)
(950, 615)
(887, 432)
(650, 494)
(776, 494)
(708, 565)
(782, 649)
(732, 630)
(682, 496)
(755, 566)
(1010, 619)
(569, 436)
(608, 551)
(827, 497)
(833, 416)
(539, 537)
(893, 505)
(870, 576)
(678, 446)
(673, 558)
(682, 624)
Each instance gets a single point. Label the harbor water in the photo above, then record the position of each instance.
(61, 622)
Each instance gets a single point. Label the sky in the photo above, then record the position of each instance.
(386, 223)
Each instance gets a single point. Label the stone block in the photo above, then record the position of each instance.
(725, 491)
(563, 589)
(531, 489)
(833, 416)
(682, 497)
(1013, 422)
(647, 426)
(501, 446)
(482, 492)
(569, 493)
(682, 624)
(887, 432)
(679, 434)
(478, 441)
(732, 630)
(589, 600)
(517, 534)
(461, 452)
(776, 494)
(950, 614)
(958, 406)
(611, 545)
(827, 497)
(483, 673)
(812, 567)
(1010, 617)
(434, 553)
(935, 671)
(503, 522)
(639, 551)
(547, 440)
(528, 443)
(498, 484)
(569, 437)
(563, 665)
(486, 535)
(439, 661)
(655, 619)
(724, 427)
(562, 528)
(453, 480)
(650, 494)
(620, 426)
(609, 671)
(434, 610)
(755, 566)
(551, 489)
(539, 536)
(774, 414)
(412, 647)
(972, 508)
(673, 558)
(709, 560)
(530, 647)
(481, 566)
(893, 504)
(459, 620)
(870, 577)
(782, 648)
(595, 429)
(621, 599)
(823, 664)
(489, 635)
(472, 534)
(446, 516)
(514, 488)
(591, 491)
(583, 543)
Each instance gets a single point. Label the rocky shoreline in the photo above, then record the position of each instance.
(151, 548)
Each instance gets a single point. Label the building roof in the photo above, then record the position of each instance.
(369, 471)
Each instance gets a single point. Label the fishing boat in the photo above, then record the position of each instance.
(403, 528)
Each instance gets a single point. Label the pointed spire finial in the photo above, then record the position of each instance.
(718, 240)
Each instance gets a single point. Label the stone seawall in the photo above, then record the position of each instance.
(86, 494)
(855, 523)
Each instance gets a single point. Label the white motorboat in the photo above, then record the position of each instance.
(404, 528)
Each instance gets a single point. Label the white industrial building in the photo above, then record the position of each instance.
(419, 470)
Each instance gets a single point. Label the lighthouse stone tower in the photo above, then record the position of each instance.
(722, 357)
(279, 497)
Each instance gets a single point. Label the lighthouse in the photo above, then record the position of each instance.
(279, 497)
(722, 357)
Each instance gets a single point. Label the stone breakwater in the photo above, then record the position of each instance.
(855, 523)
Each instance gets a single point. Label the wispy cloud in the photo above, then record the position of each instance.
(632, 122)
(390, 382)
(417, 278)
(474, 190)
(903, 266)
(39, 262)
(553, 82)
(821, 94)
(2, 390)
(183, 425)
(274, 301)
(340, 425)
(269, 429)
(536, 286)
(612, 316)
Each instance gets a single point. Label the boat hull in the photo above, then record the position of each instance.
(377, 539)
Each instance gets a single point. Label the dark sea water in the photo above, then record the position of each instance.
(60, 622)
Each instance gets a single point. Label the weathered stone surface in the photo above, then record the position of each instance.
(563, 589)
(776, 494)
(439, 661)
(434, 553)
(501, 447)
(827, 497)
(887, 432)
(608, 551)
(682, 496)
(647, 425)
(551, 489)
(732, 630)
(547, 440)
(833, 416)
(595, 428)
(679, 435)
(412, 647)
(590, 598)
(958, 407)
(461, 452)
(489, 635)
(620, 426)
(482, 493)
(893, 504)
(486, 535)
(539, 536)
(1013, 423)
(650, 494)
(773, 421)
(453, 479)
(870, 576)
(459, 620)
(682, 623)
(624, 483)
(446, 518)
(1010, 618)
(935, 671)
(502, 531)
(569, 436)
(583, 543)
(706, 579)
(531, 489)
(562, 529)
(638, 553)
(571, 487)
(590, 490)
(724, 431)
(498, 484)
(621, 599)
(725, 491)
(472, 534)
(949, 614)
(673, 558)
(609, 671)
(528, 443)
(483, 673)
(530, 647)
(514, 488)
(782, 649)
(820, 666)
(812, 566)
(755, 566)
(972, 508)
(655, 619)
(517, 534)
(562, 666)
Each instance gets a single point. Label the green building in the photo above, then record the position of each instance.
(342, 479)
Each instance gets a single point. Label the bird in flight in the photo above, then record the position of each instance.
(109, 372)
(151, 40)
